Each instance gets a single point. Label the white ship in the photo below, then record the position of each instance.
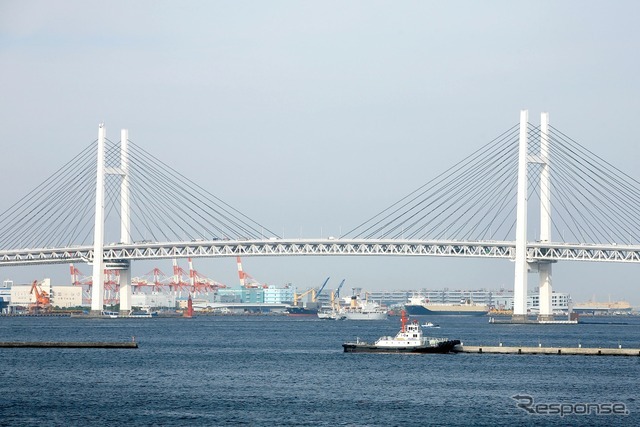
(367, 310)
(409, 340)
(331, 315)
(418, 306)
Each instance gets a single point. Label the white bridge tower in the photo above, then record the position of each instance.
(522, 264)
(97, 291)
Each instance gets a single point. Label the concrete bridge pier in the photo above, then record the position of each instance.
(546, 310)
(125, 290)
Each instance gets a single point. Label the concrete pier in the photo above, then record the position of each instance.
(524, 320)
(566, 351)
(44, 344)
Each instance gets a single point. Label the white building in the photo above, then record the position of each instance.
(62, 296)
(500, 299)
(559, 301)
(66, 296)
(5, 296)
(153, 300)
(21, 294)
(275, 295)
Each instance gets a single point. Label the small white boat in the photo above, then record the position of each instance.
(331, 315)
(142, 314)
(110, 314)
(429, 325)
(132, 314)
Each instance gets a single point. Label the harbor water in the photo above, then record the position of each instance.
(280, 371)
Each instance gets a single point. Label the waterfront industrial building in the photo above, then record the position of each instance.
(65, 296)
(154, 300)
(5, 296)
(603, 308)
(501, 299)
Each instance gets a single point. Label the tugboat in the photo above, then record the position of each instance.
(408, 340)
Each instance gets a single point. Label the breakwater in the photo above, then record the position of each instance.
(49, 344)
(566, 351)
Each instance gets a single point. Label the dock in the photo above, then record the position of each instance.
(35, 315)
(510, 321)
(565, 351)
(49, 344)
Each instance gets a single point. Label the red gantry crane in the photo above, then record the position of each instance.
(155, 279)
(86, 282)
(246, 281)
(193, 282)
(111, 284)
(200, 283)
(178, 283)
(112, 287)
(43, 301)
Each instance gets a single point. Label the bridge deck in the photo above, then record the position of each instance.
(121, 254)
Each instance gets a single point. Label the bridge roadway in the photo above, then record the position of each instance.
(116, 255)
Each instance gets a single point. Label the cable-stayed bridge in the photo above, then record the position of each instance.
(532, 195)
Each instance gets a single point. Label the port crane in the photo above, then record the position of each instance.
(155, 279)
(85, 282)
(312, 291)
(335, 297)
(111, 284)
(298, 297)
(178, 283)
(246, 281)
(43, 301)
(321, 288)
(200, 283)
(160, 282)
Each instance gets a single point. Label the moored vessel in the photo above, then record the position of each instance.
(364, 310)
(331, 315)
(408, 340)
(131, 314)
(297, 311)
(418, 306)
(110, 314)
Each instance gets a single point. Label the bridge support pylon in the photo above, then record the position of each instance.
(545, 289)
(97, 288)
(521, 267)
(522, 264)
(545, 268)
(125, 221)
(97, 291)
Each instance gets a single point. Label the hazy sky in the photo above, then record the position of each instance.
(311, 116)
